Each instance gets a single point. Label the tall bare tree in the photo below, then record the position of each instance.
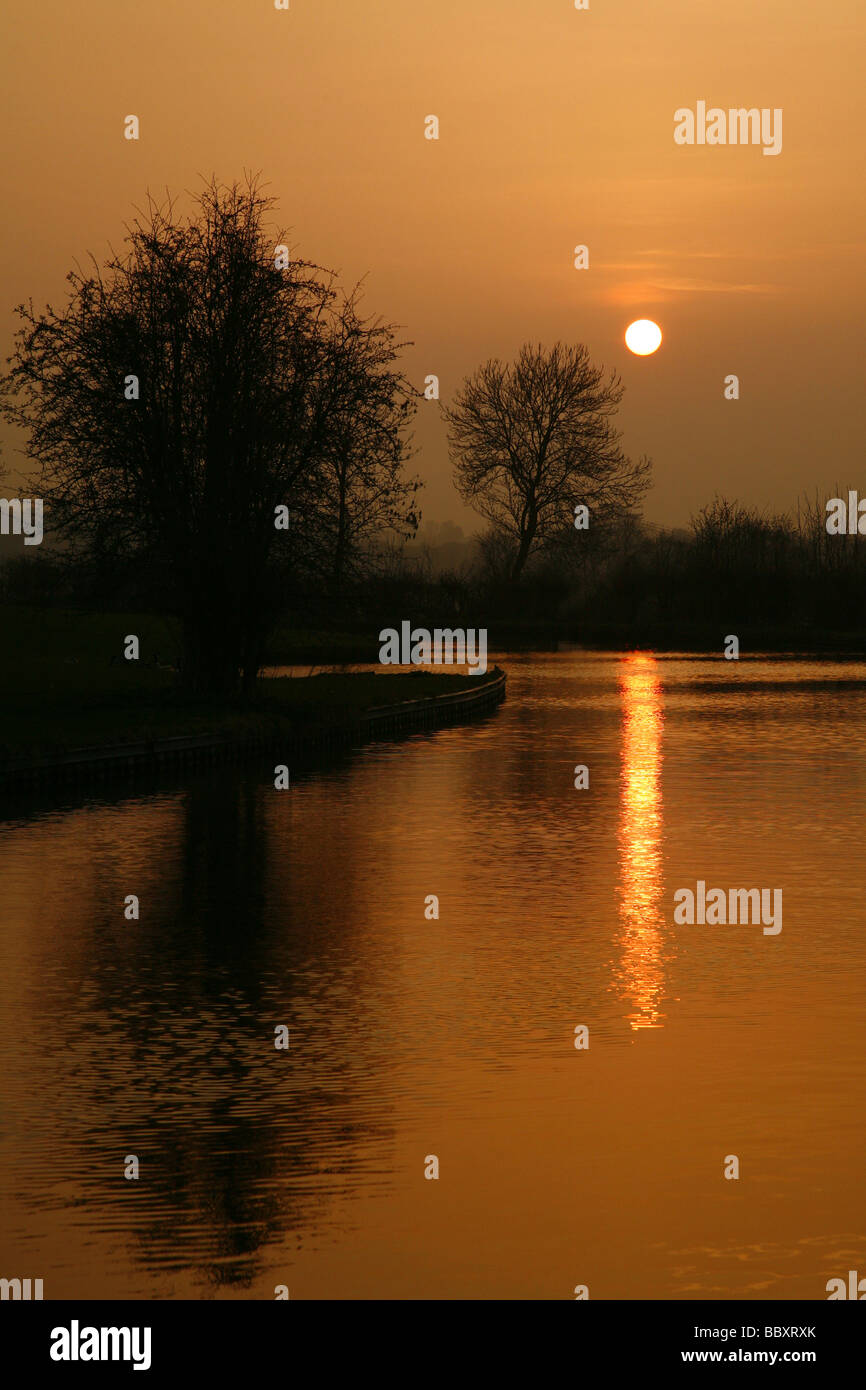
(184, 393)
(532, 439)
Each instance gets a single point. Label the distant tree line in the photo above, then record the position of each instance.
(738, 565)
(779, 578)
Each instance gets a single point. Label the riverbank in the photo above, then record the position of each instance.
(72, 707)
(303, 715)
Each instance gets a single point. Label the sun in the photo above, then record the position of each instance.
(643, 337)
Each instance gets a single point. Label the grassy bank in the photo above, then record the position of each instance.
(64, 684)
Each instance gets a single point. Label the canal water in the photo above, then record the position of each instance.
(413, 1036)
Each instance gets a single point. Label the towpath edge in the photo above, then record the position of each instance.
(381, 721)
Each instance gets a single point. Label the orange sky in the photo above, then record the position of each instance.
(556, 129)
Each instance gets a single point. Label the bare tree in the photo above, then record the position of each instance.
(531, 440)
(183, 395)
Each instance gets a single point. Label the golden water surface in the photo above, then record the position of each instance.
(412, 1036)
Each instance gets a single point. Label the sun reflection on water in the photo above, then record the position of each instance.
(641, 970)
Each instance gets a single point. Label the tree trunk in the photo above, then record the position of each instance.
(522, 554)
(342, 536)
(253, 656)
(212, 655)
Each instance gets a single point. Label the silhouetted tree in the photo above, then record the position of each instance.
(185, 392)
(531, 440)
